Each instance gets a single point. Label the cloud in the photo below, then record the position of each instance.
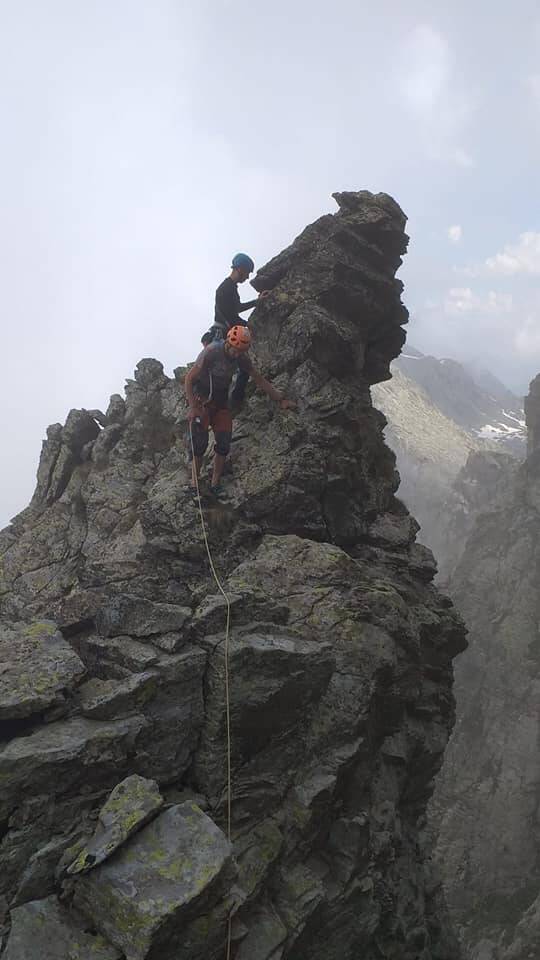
(521, 257)
(462, 300)
(533, 83)
(500, 328)
(527, 338)
(429, 70)
(430, 86)
(455, 233)
(463, 159)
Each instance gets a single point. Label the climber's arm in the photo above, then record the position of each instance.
(191, 378)
(247, 306)
(253, 303)
(270, 390)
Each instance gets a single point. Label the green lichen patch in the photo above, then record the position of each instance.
(132, 803)
(38, 667)
(151, 887)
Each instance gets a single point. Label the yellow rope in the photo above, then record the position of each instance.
(226, 652)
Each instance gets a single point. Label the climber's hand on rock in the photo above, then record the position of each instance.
(287, 404)
(264, 294)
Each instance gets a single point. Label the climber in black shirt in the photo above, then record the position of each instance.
(227, 314)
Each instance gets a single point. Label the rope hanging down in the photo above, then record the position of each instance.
(226, 657)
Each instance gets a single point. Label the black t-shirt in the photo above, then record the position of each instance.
(217, 372)
(228, 305)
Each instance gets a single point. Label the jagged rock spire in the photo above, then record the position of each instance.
(340, 648)
(532, 415)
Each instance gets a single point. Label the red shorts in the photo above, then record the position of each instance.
(220, 419)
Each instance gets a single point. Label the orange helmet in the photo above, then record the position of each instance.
(239, 338)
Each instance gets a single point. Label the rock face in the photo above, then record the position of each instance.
(532, 414)
(38, 669)
(340, 652)
(167, 894)
(44, 930)
(487, 796)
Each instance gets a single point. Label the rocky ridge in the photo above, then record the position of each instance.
(112, 711)
(488, 791)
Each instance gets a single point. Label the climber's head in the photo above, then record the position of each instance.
(238, 341)
(242, 266)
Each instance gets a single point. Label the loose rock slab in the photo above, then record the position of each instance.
(61, 758)
(108, 699)
(148, 899)
(44, 930)
(37, 666)
(138, 617)
(130, 806)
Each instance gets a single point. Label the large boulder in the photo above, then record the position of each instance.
(150, 899)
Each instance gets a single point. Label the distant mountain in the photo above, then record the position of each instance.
(431, 449)
(441, 413)
(470, 396)
(419, 428)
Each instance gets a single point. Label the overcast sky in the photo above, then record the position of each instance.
(145, 142)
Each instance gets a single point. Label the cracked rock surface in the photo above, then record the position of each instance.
(340, 653)
(488, 792)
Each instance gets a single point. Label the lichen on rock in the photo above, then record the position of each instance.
(132, 803)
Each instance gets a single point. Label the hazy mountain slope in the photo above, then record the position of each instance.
(431, 449)
(475, 399)
(439, 412)
(421, 429)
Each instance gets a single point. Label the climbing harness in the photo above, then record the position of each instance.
(226, 657)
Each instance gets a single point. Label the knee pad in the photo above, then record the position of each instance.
(223, 442)
(200, 440)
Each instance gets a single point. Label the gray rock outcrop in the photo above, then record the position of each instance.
(38, 669)
(532, 415)
(45, 930)
(130, 806)
(340, 653)
(489, 788)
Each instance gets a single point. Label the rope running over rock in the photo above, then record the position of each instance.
(226, 657)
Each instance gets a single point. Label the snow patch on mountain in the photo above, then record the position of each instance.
(471, 397)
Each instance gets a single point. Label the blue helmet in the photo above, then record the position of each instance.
(241, 260)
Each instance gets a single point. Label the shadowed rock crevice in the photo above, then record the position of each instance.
(340, 649)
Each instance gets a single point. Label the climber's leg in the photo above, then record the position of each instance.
(197, 442)
(222, 426)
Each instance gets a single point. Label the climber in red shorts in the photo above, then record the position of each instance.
(207, 391)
